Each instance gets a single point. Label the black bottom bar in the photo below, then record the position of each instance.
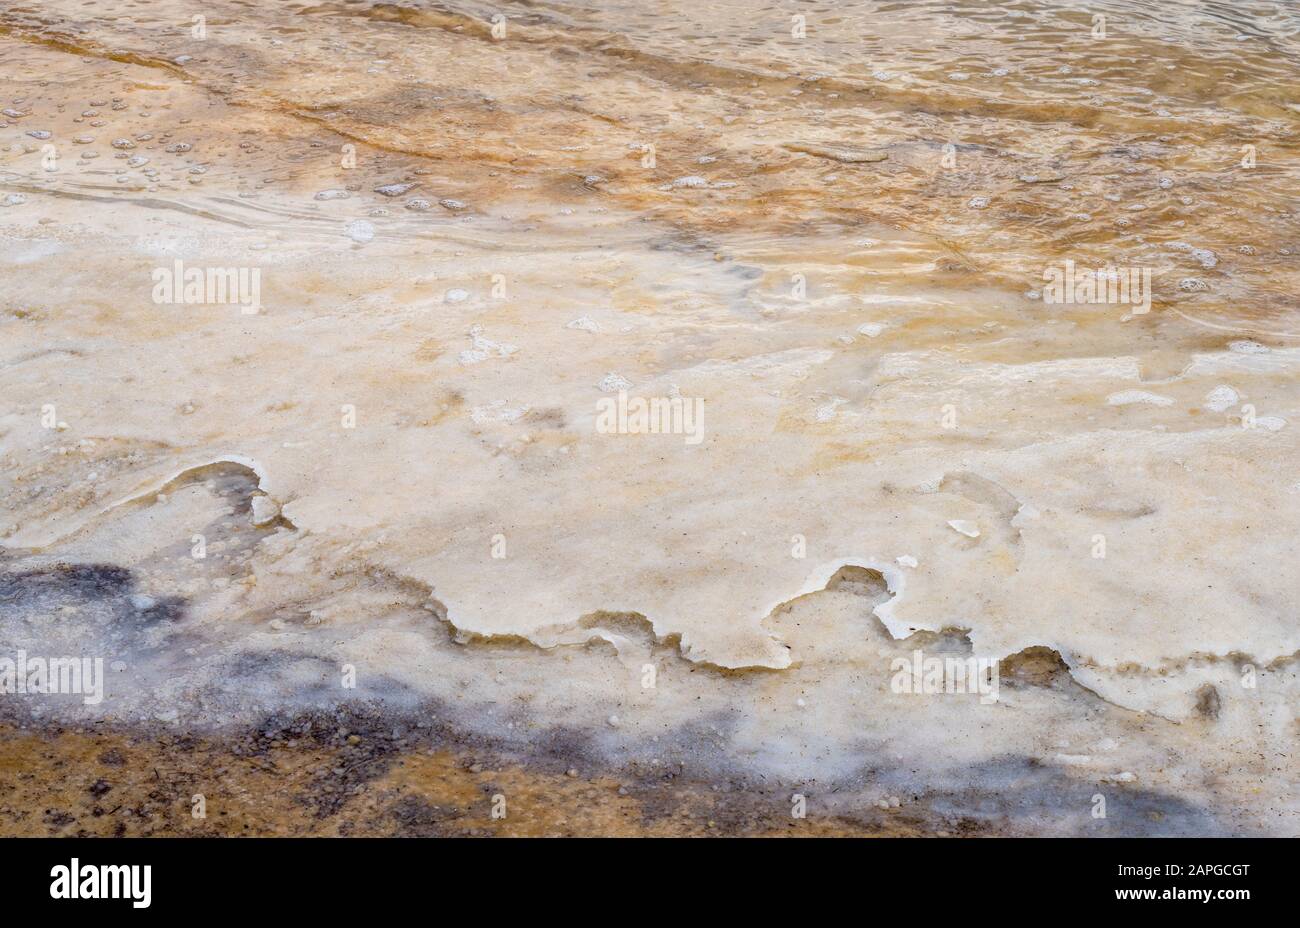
(330, 878)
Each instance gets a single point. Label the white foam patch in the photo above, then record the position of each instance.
(1138, 397)
(1221, 398)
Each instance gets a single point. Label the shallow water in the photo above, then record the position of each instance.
(823, 246)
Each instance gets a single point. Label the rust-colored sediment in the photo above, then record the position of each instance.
(98, 784)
